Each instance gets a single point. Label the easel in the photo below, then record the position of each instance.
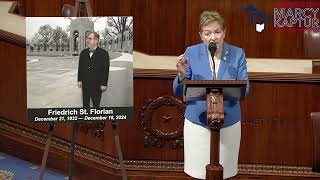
(77, 7)
(46, 151)
(74, 12)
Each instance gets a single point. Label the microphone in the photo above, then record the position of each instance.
(212, 47)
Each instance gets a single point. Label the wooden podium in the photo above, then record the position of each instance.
(214, 92)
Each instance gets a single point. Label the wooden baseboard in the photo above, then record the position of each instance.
(28, 144)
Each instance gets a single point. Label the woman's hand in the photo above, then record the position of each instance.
(182, 66)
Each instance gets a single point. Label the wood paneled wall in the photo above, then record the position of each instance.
(13, 81)
(159, 26)
(167, 27)
(43, 8)
(267, 44)
(276, 126)
(275, 114)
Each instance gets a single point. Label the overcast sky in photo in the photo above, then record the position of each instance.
(34, 23)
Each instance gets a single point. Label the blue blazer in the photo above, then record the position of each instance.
(233, 66)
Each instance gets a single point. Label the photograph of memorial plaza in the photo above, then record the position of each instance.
(53, 48)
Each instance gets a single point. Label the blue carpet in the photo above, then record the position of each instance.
(12, 168)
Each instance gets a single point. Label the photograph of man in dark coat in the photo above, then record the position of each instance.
(93, 71)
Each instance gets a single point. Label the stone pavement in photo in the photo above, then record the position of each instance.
(52, 82)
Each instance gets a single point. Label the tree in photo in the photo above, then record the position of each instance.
(43, 36)
(118, 26)
(59, 37)
(46, 36)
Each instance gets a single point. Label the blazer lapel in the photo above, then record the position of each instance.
(204, 56)
(88, 53)
(224, 61)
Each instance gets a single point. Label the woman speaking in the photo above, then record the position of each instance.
(228, 63)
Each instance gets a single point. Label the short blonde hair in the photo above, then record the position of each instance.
(208, 17)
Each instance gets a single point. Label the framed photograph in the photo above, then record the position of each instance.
(79, 69)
